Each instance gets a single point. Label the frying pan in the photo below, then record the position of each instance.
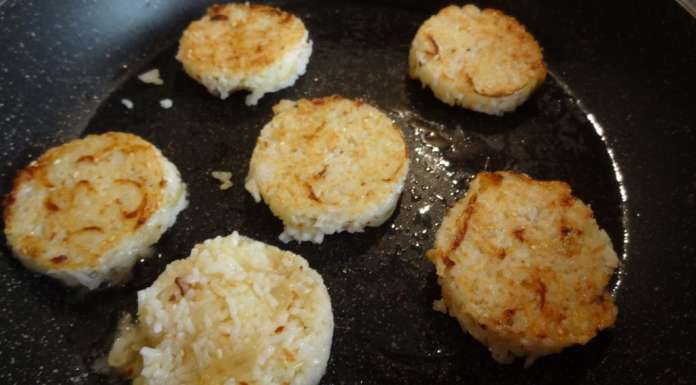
(616, 118)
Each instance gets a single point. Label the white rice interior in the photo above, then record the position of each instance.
(236, 311)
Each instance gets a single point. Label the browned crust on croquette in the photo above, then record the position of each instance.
(34, 247)
(560, 305)
(481, 59)
(248, 49)
(330, 160)
(536, 64)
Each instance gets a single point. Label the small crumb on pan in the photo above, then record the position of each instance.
(151, 77)
(224, 178)
(127, 103)
(166, 103)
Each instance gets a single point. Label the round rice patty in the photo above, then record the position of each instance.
(328, 165)
(245, 47)
(524, 267)
(236, 311)
(482, 60)
(85, 211)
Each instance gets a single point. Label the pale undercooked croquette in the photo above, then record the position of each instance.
(85, 211)
(328, 165)
(257, 48)
(482, 60)
(524, 266)
(236, 311)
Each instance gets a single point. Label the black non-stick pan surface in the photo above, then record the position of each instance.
(616, 119)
